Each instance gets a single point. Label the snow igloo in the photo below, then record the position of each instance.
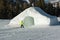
(34, 16)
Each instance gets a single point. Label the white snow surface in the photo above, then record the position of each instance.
(53, 1)
(27, 1)
(36, 33)
(40, 17)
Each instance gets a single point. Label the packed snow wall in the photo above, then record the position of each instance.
(40, 17)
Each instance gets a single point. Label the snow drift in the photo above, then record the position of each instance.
(38, 15)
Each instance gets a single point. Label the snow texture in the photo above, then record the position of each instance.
(27, 1)
(40, 17)
(17, 33)
(32, 33)
(53, 1)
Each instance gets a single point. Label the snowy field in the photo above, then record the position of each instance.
(48, 33)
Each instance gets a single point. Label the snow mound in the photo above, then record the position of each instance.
(39, 16)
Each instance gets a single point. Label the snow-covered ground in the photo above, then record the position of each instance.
(48, 33)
